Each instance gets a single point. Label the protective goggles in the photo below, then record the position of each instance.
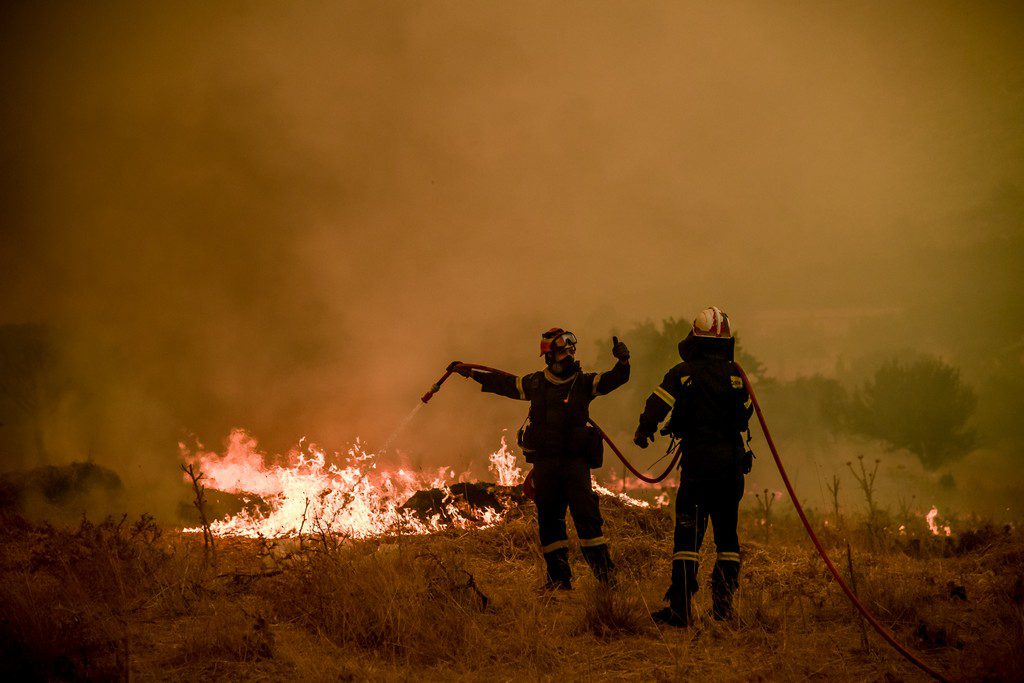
(557, 340)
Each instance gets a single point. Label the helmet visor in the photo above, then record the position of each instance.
(567, 339)
(557, 343)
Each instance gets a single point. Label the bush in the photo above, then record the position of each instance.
(922, 406)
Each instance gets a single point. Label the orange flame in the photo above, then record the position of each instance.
(503, 465)
(313, 493)
(934, 527)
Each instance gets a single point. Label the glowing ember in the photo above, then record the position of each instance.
(933, 526)
(343, 495)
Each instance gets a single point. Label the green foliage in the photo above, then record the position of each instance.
(922, 406)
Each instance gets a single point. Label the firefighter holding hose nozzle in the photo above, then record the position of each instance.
(710, 409)
(562, 448)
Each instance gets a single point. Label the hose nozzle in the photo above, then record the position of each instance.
(435, 387)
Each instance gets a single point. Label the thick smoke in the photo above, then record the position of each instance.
(290, 218)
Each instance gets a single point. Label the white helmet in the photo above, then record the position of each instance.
(712, 322)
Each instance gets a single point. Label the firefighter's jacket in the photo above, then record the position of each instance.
(559, 406)
(710, 409)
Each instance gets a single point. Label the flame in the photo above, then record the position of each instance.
(934, 527)
(347, 495)
(628, 500)
(503, 465)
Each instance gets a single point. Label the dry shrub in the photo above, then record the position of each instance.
(386, 600)
(612, 613)
(113, 562)
(66, 595)
(225, 633)
(900, 597)
(637, 559)
(654, 524)
(49, 631)
(511, 541)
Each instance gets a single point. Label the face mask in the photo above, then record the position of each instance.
(564, 367)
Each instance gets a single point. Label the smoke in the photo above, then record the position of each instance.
(290, 218)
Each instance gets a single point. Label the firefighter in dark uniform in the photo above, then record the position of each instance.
(562, 448)
(710, 409)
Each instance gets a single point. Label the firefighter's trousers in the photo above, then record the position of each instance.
(565, 483)
(696, 502)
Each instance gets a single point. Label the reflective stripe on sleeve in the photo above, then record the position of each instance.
(519, 388)
(592, 542)
(597, 378)
(552, 547)
(664, 396)
(748, 403)
(728, 557)
(686, 555)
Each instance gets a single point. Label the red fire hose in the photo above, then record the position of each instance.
(871, 619)
(882, 630)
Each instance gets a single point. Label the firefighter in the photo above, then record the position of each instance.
(710, 409)
(562, 448)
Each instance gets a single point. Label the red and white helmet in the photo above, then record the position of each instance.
(712, 322)
(556, 339)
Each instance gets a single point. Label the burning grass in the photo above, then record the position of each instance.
(120, 599)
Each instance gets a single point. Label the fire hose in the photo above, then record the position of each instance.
(886, 634)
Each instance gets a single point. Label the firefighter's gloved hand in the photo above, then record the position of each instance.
(620, 350)
(458, 368)
(642, 438)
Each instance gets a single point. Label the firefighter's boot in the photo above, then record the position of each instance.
(600, 562)
(724, 582)
(558, 569)
(679, 612)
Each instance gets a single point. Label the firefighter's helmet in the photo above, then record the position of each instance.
(712, 322)
(556, 339)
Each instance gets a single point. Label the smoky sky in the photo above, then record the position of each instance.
(290, 216)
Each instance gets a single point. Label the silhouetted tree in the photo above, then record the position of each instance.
(922, 406)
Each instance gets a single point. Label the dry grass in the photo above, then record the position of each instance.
(119, 600)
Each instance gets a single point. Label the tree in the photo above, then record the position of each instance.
(922, 406)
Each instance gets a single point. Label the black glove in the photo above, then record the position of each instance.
(458, 368)
(619, 350)
(747, 461)
(642, 438)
